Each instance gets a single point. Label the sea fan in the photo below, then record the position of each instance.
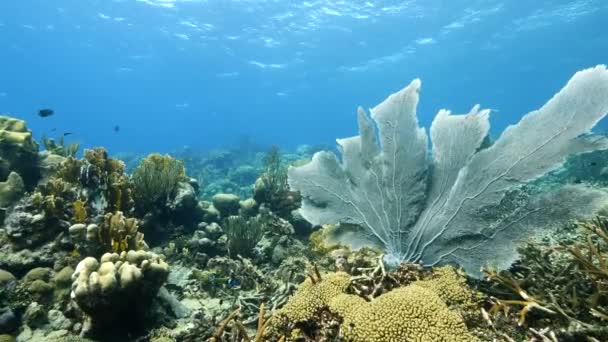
(467, 202)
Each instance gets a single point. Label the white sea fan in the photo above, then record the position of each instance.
(465, 202)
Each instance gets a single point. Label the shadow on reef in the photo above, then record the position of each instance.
(91, 252)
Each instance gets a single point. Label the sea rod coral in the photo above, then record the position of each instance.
(468, 202)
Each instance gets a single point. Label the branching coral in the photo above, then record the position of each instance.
(119, 233)
(558, 283)
(155, 180)
(60, 147)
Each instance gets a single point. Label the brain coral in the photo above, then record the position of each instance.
(312, 297)
(448, 285)
(417, 312)
(410, 313)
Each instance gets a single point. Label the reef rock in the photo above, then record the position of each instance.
(227, 204)
(11, 190)
(8, 320)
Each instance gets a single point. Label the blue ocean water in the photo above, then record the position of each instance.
(206, 73)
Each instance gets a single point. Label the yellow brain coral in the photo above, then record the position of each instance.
(410, 313)
(312, 297)
(449, 285)
(417, 312)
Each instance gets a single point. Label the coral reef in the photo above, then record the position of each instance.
(247, 266)
(557, 283)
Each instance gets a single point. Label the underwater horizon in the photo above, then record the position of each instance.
(208, 74)
(303, 171)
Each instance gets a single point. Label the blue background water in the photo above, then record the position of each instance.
(204, 73)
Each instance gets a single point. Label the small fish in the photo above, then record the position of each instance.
(43, 113)
(116, 128)
(54, 129)
(233, 282)
(67, 133)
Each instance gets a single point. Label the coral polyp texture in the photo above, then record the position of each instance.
(467, 200)
(416, 312)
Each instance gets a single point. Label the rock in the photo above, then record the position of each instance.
(213, 231)
(11, 190)
(49, 163)
(78, 229)
(185, 197)
(227, 204)
(300, 225)
(205, 244)
(92, 232)
(6, 277)
(279, 253)
(63, 278)
(6, 338)
(38, 273)
(27, 225)
(35, 315)
(249, 207)
(210, 213)
(179, 276)
(40, 287)
(8, 320)
(179, 310)
(24, 260)
(58, 321)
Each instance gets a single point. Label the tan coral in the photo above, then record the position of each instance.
(312, 297)
(417, 312)
(411, 313)
(450, 286)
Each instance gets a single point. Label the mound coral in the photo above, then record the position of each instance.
(18, 151)
(411, 313)
(472, 203)
(417, 312)
(117, 288)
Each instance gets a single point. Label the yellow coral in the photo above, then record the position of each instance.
(80, 211)
(448, 285)
(120, 233)
(312, 297)
(417, 312)
(410, 313)
(14, 131)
